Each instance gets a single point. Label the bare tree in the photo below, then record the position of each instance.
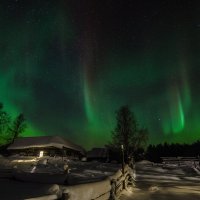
(4, 121)
(18, 126)
(127, 132)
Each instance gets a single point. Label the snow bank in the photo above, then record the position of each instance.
(40, 177)
(85, 172)
(100, 190)
(86, 180)
(88, 191)
(145, 162)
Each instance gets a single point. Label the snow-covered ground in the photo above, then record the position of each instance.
(24, 167)
(153, 181)
(169, 182)
(83, 172)
(79, 172)
(16, 190)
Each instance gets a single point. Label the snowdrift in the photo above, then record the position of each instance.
(100, 190)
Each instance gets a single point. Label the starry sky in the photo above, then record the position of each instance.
(68, 65)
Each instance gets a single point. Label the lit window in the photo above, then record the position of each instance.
(41, 154)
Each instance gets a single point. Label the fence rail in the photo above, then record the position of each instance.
(180, 160)
(110, 188)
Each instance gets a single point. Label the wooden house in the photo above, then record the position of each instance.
(46, 146)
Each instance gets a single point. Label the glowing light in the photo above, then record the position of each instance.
(88, 103)
(23, 161)
(178, 120)
(175, 121)
(77, 77)
(41, 154)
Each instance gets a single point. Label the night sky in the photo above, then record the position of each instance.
(68, 65)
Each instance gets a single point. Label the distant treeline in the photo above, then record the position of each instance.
(154, 152)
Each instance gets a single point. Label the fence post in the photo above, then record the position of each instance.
(113, 190)
(65, 196)
(122, 148)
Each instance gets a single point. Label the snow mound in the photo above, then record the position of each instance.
(153, 188)
(144, 162)
(89, 191)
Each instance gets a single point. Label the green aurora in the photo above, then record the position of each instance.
(69, 66)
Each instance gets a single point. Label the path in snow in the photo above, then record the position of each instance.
(169, 183)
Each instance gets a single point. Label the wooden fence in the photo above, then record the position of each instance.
(180, 160)
(110, 188)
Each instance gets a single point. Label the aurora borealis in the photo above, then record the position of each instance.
(68, 65)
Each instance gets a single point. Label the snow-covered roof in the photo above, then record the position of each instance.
(44, 141)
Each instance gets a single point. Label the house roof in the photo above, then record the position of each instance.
(44, 141)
